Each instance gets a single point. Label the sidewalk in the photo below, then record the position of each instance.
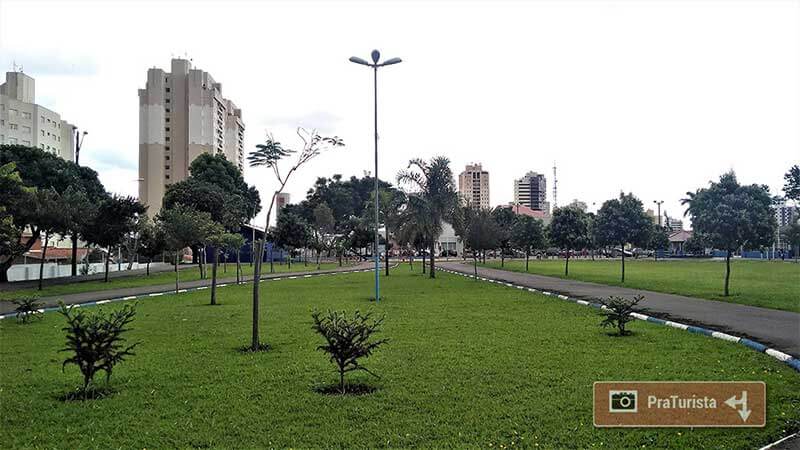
(86, 297)
(778, 329)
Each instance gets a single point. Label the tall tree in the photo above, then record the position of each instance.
(528, 235)
(323, 229)
(569, 231)
(39, 170)
(434, 182)
(391, 202)
(659, 240)
(116, 216)
(622, 221)
(15, 196)
(791, 234)
(478, 229)
(291, 233)
(51, 219)
(269, 155)
(151, 241)
(732, 216)
(791, 185)
(183, 227)
(505, 218)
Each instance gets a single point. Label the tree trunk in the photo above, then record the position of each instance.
(177, 276)
(239, 267)
(41, 262)
(623, 263)
(318, 255)
(566, 265)
(8, 260)
(225, 262)
(254, 343)
(433, 260)
(475, 265)
(502, 258)
(341, 381)
(290, 260)
(727, 271)
(387, 261)
(271, 261)
(214, 263)
(411, 262)
(108, 260)
(148, 267)
(527, 257)
(74, 270)
(423, 263)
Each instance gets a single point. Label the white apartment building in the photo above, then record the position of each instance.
(182, 114)
(23, 122)
(531, 191)
(473, 186)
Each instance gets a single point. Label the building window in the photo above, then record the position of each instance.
(166, 148)
(12, 140)
(166, 129)
(167, 157)
(167, 100)
(166, 167)
(26, 129)
(166, 176)
(26, 115)
(42, 132)
(12, 112)
(167, 89)
(2, 122)
(41, 118)
(167, 119)
(167, 109)
(28, 143)
(167, 138)
(13, 126)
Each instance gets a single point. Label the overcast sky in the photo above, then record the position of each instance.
(651, 97)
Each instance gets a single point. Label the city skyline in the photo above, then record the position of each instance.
(600, 104)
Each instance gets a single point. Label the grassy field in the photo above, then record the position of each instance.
(468, 364)
(758, 283)
(155, 278)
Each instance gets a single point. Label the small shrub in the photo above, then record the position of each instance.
(618, 312)
(95, 340)
(28, 308)
(347, 339)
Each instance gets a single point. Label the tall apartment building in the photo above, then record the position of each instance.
(183, 114)
(473, 186)
(281, 200)
(23, 122)
(531, 191)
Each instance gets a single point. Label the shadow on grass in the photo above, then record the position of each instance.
(91, 393)
(248, 349)
(355, 389)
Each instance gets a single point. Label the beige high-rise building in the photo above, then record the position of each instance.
(182, 114)
(23, 122)
(473, 186)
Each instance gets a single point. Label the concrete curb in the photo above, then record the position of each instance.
(753, 345)
(181, 291)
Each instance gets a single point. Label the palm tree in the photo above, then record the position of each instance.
(436, 190)
(416, 227)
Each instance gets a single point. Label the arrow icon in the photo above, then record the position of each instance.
(734, 402)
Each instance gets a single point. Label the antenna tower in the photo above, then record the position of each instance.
(555, 187)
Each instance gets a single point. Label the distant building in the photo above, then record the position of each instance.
(672, 224)
(526, 211)
(580, 205)
(23, 122)
(531, 191)
(677, 241)
(473, 186)
(281, 200)
(182, 114)
(786, 215)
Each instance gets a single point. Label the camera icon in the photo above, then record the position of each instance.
(622, 401)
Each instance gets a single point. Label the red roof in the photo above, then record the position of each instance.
(526, 211)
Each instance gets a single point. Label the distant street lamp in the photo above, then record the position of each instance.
(376, 55)
(78, 142)
(659, 203)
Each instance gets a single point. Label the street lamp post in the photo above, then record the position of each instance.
(659, 203)
(376, 56)
(78, 142)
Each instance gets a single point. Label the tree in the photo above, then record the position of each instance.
(234, 242)
(568, 230)
(323, 230)
(434, 182)
(505, 218)
(791, 186)
(347, 339)
(617, 312)
(183, 227)
(391, 202)
(152, 241)
(291, 232)
(417, 227)
(527, 235)
(659, 240)
(116, 216)
(731, 216)
(269, 155)
(696, 244)
(217, 239)
(478, 229)
(791, 234)
(622, 221)
(37, 170)
(15, 194)
(51, 213)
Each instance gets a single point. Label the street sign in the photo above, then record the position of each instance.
(680, 404)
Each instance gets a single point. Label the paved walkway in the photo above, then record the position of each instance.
(773, 328)
(93, 296)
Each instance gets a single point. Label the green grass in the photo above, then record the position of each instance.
(155, 278)
(757, 283)
(468, 364)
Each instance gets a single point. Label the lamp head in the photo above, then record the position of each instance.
(376, 55)
(392, 61)
(358, 60)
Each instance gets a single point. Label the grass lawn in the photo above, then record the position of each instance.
(758, 283)
(468, 364)
(156, 278)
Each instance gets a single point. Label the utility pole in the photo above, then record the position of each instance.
(659, 203)
(78, 142)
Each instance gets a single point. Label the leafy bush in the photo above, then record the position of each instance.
(95, 340)
(618, 312)
(347, 339)
(27, 308)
